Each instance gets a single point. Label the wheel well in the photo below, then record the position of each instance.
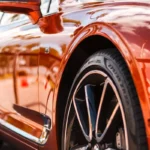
(85, 49)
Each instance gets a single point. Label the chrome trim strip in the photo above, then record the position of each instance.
(43, 138)
(17, 130)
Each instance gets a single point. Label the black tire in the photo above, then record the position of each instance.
(111, 63)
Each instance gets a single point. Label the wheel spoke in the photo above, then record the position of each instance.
(89, 96)
(100, 105)
(87, 120)
(98, 115)
(81, 119)
(81, 147)
(109, 124)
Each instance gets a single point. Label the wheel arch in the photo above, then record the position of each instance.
(87, 46)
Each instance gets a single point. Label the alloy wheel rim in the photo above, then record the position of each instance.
(93, 118)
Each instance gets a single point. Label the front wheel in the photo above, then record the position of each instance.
(103, 111)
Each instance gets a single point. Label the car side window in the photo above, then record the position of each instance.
(8, 18)
(54, 7)
(44, 6)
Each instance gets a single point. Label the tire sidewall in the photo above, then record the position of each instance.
(104, 63)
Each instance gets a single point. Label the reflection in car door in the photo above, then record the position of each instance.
(19, 88)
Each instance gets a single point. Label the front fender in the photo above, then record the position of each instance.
(136, 66)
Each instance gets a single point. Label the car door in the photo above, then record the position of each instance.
(19, 77)
(53, 48)
(65, 21)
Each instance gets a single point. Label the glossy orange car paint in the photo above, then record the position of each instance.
(48, 48)
(30, 8)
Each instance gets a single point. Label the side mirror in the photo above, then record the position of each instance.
(28, 7)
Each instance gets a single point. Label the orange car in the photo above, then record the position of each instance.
(75, 74)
